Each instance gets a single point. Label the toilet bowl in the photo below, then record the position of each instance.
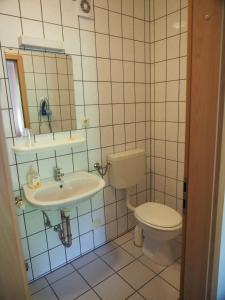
(158, 225)
(161, 225)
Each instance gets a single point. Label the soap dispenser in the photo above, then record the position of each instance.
(33, 180)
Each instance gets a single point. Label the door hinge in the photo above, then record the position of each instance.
(26, 266)
(185, 196)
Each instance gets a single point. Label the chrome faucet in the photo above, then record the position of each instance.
(58, 174)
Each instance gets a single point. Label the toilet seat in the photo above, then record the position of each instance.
(158, 216)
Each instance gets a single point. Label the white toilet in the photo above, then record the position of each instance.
(159, 223)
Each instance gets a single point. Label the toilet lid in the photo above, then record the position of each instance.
(158, 215)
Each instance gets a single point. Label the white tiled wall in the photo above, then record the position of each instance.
(168, 84)
(111, 73)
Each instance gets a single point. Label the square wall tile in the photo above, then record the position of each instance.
(87, 242)
(34, 222)
(10, 8)
(160, 8)
(104, 90)
(115, 24)
(118, 113)
(85, 223)
(93, 136)
(115, 5)
(160, 29)
(115, 47)
(102, 45)
(12, 26)
(103, 68)
(74, 250)
(105, 115)
(37, 243)
(32, 28)
(172, 19)
(51, 11)
(99, 236)
(106, 136)
(139, 9)
(90, 93)
(117, 70)
(101, 20)
(127, 27)
(57, 256)
(68, 9)
(40, 265)
(31, 10)
(87, 43)
(127, 7)
(89, 69)
(80, 161)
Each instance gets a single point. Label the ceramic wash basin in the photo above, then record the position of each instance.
(63, 194)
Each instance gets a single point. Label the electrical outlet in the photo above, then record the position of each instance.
(85, 122)
(96, 223)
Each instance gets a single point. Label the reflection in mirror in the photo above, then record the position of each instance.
(41, 88)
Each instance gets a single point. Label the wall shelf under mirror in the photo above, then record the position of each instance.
(51, 145)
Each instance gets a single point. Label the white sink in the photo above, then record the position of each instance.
(62, 195)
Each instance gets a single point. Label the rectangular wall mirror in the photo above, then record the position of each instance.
(42, 92)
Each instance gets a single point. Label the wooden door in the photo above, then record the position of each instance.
(203, 103)
(13, 281)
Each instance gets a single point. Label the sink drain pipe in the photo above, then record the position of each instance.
(64, 230)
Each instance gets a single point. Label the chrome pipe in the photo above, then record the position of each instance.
(64, 231)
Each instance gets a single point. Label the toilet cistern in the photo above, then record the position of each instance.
(126, 170)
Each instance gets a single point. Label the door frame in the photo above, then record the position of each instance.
(13, 278)
(203, 143)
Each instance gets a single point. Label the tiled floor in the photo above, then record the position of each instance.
(115, 271)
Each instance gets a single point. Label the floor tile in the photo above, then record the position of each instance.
(132, 249)
(117, 258)
(150, 264)
(90, 295)
(84, 260)
(60, 273)
(158, 289)
(70, 287)
(113, 288)
(37, 285)
(172, 275)
(135, 296)
(106, 248)
(124, 238)
(45, 294)
(96, 271)
(136, 274)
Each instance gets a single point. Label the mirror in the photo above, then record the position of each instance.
(41, 88)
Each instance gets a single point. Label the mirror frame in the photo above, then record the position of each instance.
(19, 62)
